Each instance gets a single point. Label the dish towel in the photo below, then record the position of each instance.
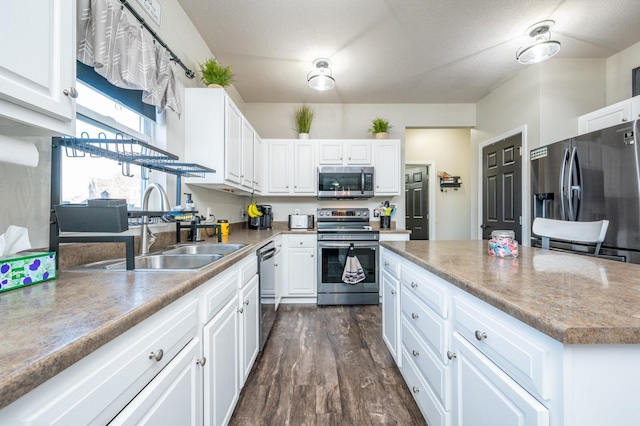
(353, 272)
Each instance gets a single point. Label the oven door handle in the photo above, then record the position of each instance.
(347, 244)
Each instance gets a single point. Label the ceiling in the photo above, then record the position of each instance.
(398, 51)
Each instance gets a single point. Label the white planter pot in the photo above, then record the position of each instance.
(303, 136)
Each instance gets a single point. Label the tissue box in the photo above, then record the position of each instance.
(16, 272)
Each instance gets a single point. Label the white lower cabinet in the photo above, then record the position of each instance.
(249, 326)
(390, 288)
(174, 397)
(487, 396)
(465, 362)
(221, 379)
(301, 268)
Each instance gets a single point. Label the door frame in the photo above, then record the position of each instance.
(431, 167)
(526, 205)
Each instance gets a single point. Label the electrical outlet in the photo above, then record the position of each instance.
(376, 213)
(243, 213)
(297, 211)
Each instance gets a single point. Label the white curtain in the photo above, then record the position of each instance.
(126, 55)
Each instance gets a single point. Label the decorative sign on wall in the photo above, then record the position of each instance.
(153, 9)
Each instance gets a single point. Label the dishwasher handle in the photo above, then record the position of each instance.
(266, 254)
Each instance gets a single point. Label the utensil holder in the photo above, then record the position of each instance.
(385, 222)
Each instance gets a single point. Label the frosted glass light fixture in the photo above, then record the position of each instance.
(542, 48)
(320, 78)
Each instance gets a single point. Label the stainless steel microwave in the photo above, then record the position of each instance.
(338, 182)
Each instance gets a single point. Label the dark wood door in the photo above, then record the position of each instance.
(416, 181)
(502, 188)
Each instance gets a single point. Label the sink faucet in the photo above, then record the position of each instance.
(146, 236)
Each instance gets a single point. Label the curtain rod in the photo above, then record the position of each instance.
(174, 57)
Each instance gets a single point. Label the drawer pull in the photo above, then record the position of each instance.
(393, 292)
(415, 353)
(201, 362)
(480, 335)
(451, 355)
(415, 389)
(157, 355)
(414, 285)
(246, 302)
(71, 92)
(240, 310)
(414, 316)
(386, 264)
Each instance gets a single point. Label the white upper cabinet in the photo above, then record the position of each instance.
(292, 168)
(618, 113)
(259, 160)
(37, 67)
(345, 152)
(218, 136)
(387, 167)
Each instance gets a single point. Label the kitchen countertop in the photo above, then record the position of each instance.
(572, 298)
(52, 325)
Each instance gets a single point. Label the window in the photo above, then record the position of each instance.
(87, 177)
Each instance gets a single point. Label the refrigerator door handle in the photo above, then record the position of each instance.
(574, 185)
(563, 190)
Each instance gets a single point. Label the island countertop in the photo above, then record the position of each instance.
(572, 298)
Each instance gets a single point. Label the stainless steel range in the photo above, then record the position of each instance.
(345, 239)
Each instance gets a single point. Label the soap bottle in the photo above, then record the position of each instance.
(189, 204)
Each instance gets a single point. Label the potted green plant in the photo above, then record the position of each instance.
(380, 128)
(215, 75)
(302, 118)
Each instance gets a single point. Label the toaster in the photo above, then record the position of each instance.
(301, 221)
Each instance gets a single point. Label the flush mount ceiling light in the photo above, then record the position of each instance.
(320, 78)
(543, 47)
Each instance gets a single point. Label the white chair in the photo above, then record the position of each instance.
(579, 232)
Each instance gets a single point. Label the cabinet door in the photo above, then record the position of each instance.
(258, 164)
(38, 63)
(358, 152)
(605, 117)
(391, 314)
(221, 387)
(330, 152)
(304, 177)
(301, 277)
(246, 157)
(387, 167)
(486, 396)
(279, 167)
(233, 142)
(281, 277)
(173, 397)
(250, 309)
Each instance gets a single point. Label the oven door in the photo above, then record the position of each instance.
(332, 256)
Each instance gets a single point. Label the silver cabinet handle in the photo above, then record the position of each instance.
(480, 335)
(301, 243)
(451, 355)
(72, 92)
(246, 302)
(157, 355)
(311, 255)
(393, 292)
(415, 389)
(414, 316)
(624, 120)
(415, 353)
(414, 285)
(240, 310)
(201, 362)
(386, 263)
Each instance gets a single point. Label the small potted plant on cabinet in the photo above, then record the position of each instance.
(302, 118)
(380, 128)
(215, 75)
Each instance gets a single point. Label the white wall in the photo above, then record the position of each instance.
(619, 68)
(450, 151)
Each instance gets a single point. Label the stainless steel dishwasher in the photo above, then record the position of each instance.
(267, 273)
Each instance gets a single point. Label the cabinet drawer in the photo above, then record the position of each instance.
(433, 412)
(219, 290)
(248, 268)
(391, 263)
(511, 345)
(428, 287)
(96, 388)
(428, 325)
(430, 367)
(306, 241)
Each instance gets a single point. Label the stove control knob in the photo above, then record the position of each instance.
(365, 213)
(358, 213)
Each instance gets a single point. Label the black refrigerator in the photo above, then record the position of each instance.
(592, 177)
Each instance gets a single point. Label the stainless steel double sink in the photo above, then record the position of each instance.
(177, 257)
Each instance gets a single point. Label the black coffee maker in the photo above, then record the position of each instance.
(262, 222)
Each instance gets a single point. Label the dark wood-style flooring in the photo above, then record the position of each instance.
(326, 366)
